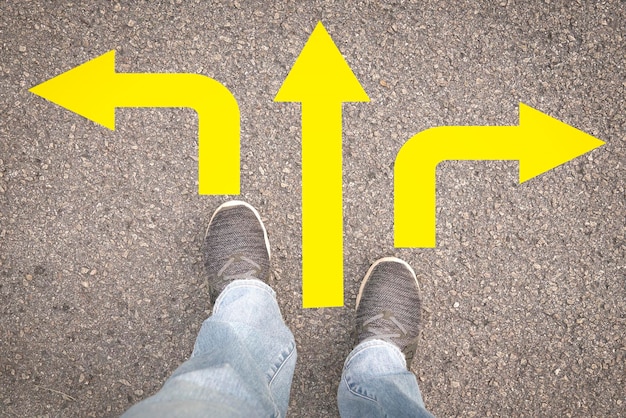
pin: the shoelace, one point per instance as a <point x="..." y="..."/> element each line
<point x="226" y="278"/>
<point x="379" y="332"/>
<point x="385" y="335"/>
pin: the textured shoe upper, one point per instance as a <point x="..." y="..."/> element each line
<point x="389" y="306"/>
<point x="236" y="247"/>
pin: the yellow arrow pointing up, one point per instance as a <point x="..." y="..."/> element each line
<point x="321" y="79"/>
<point x="540" y="143"/>
<point x="94" y="90"/>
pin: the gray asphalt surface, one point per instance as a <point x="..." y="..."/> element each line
<point x="102" y="287"/>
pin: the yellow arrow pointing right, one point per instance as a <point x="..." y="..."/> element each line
<point x="540" y="143"/>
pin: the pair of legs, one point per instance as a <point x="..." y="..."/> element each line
<point x="244" y="357"/>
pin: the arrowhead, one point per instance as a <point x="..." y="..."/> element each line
<point x="553" y="143"/>
<point x="321" y="74"/>
<point x="86" y="90"/>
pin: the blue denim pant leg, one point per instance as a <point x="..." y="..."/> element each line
<point x="376" y="383"/>
<point x="242" y="362"/>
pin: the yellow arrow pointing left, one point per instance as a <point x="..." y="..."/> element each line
<point x="94" y="90"/>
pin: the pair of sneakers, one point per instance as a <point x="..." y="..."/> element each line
<point x="388" y="305"/>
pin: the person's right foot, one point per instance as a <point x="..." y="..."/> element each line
<point x="388" y="306"/>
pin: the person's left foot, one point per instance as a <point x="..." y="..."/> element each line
<point x="236" y="246"/>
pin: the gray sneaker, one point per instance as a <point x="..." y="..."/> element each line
<point x="389" y="305"/>
<point x="236" y="246"/>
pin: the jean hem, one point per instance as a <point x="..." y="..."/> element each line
<point x="374" y="343"/>
<point x="237" y="284"/>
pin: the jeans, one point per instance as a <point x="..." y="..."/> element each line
<point x="243" y="361"/>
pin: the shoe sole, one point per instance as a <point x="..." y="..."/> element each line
<point x="373" y="266"/>
<point x="235" y="203"/>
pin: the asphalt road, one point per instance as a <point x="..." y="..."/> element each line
<point x="102" y="287"/>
